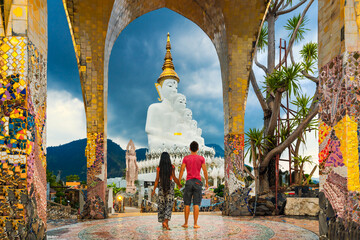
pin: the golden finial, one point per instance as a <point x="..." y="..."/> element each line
<point x="168" y="67"/>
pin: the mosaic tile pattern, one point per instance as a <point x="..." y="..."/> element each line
<point x="212" y="227"/>
<point x="234" y="161"/>
<point x="339" y="134"/>
<point x="22" y="141"/>
<point x="22" y="120"/>
<point x="339" y="114"/>
<point x="95" y="162"/>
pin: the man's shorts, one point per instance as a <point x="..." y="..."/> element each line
<point x="193" y="190"/>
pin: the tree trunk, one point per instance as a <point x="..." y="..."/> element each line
<point x="271" y="42"/>
<point x="270" y="64"/>
<point x="296" y="163"/>
<point x="263" y="182"/>
<point x="257" y="182"/>
<point x="267" y="177"/>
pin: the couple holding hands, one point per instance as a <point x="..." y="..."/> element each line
<point x="165" y="178"/>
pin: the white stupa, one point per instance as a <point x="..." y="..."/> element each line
<point x="170" y="128"/>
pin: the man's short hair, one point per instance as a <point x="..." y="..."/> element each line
<point x="194" y="146"/>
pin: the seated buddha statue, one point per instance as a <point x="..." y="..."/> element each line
<point x="159" y="115"/>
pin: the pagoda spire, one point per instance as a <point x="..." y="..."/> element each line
<point x="168" y="66"/>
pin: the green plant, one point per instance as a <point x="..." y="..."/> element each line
<point x="292" y="24"/>
<point x="299" y="162"/>
<point x="115" y="188"/>
<point x="306" y="177"/>
<point x="72" y="178"/>
<point x="178" y="193"/>
<point x="263" y="38"/>
<point x="219" y="191"/>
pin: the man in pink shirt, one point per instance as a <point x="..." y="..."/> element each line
<point x="193" y="187"/>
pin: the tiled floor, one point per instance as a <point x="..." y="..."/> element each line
<point x="213" y="226"/>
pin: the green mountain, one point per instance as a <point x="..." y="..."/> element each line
<point x="219" y="151"/>
<point x="70" y="158"/>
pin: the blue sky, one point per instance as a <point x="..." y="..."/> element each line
<point x="135" y="65"/>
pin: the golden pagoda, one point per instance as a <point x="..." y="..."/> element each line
<point x="168" y="67"/>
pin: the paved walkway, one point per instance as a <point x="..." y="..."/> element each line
<point x="135" y="225"/>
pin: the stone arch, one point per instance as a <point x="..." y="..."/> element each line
<point x="232" y="26"/>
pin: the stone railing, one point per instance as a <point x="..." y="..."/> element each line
<point x="59" y="211"/>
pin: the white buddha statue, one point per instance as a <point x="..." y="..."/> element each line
<point x="159" y="115"/>
<point x="178" y="127"/>
<point x="169" y="123"/>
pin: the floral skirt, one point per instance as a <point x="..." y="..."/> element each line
<point x="165" y="203"/>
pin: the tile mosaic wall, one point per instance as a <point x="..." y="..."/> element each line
<point x="234" y="161"/>
<point x="339" y="134"/>
<point x="22" y="120"/>
<point x="95" y="164"/>
<point x="339" y="115"/>
<point x="22" y="136"/>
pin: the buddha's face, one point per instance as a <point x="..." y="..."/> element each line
<point x="180" y="102"/>
<point x="194" y="124"/>
<point x="169" y="88"/>
<point x="188" y="114"/>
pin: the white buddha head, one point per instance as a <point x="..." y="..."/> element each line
<point x="179" y="102"/>
<point x="193" y="125"/>
<point x="187" y="113"/>
<point x="168" y="89"/>
<point x="199" y="132"/>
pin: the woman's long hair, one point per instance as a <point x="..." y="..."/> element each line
<point x="165" y="171"/>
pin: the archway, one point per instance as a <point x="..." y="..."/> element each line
<point x="135" y="65"/>
<point x="219" y="21"/>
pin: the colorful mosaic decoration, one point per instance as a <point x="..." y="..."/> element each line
<point x="234" y="159"/>
<point x="339" y="134"/>
<point x="96" y="173"/>
<point x="335" y="157"/>
<point x="144" y="227"/>
<point x="22" y="119"/>
<point x="23" y="159"/>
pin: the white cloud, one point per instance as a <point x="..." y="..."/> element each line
<point x="65" y="118"/>
<point x="197" y="63"/>
<point x="205" y="84"/>
<point x="191" y="44"/>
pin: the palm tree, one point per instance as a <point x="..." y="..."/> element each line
<point x="300" y="161"/>
<point x="255" y="144"/>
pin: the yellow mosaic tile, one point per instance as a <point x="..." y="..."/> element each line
<point x="5" y="47"/>
<point x="5" y="68"/>
<point x="346" y="131"/>
<point x="324" y="130"/>
<point x="14" y="41"/>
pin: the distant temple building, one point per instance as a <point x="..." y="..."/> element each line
<point x="170" y="128"/>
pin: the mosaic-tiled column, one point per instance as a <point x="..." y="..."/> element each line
<point x="23" y="54"/>
<point x="240" y="52"/>
<point x="339" y="117"/>
<point x="88" y="22"/>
